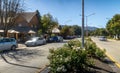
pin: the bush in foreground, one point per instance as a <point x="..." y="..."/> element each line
<point x="65" y="60"/>
<point x="71" y="58"/>
<point x="93" y="50"/>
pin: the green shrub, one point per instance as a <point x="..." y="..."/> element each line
<point x="73" y="44"/>
<point x="100" y="54"/>
<point x="93" y="50"/>
<point x="71" y="58"/>
<point x="66" y="60"/>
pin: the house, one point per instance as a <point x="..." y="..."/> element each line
<point x="26" y="25"/>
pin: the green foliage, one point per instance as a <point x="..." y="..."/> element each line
<point x="67" y="30"/>
<point x="65" y="60"/>
<point x="100" y="32"/>
<point x="113" y="25"/>
<point x="71" y="58"/>
<point x="74" y="44"/>
<point x="100" y="54"/>
<point x="93" y="50"/>
<point x="39" y="32"/>
<point x="77" y="29"/>
<point x="48" y="23"/>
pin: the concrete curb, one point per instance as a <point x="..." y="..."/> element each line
<point x="40" y="70"/>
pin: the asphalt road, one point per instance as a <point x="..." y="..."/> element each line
<point x="26" y="59"/>
<point x="112" y="48"/>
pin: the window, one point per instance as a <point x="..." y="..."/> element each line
<point x="12" y="40"/>
<point x="6" y="40"/>
<point x="1" y="40"/>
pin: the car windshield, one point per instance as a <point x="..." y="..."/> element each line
<point x="34" y="39"/>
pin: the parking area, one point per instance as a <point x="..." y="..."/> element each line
<point x="26" y="59"/>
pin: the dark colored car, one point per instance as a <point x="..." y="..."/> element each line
<point x="70" y="37"/>
<point x="55" y="39"/>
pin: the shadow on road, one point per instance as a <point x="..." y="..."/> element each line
<point x="20" y="55"/>
<point x="17" y="64"/>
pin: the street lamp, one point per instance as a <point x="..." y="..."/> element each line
<point x="87" y="21"/>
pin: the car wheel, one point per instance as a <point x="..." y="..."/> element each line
<point x="13" y="47"/>
<point x="27" y="45"/>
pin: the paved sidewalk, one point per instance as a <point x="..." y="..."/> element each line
<point x="21" y="45"/>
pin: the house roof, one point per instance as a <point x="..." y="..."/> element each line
<point x="28" y="15"/>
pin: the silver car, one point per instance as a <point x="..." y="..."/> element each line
<point x="103" y="38"/>
<point x="8" y="43"/>
<point x="35" y="41"/>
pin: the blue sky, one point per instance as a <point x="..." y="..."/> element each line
<point x="69" y="11"/>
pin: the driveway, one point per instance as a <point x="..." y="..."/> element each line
<point x="26" y="59"/>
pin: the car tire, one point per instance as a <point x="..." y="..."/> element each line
<point x="13" y="47"/>
<point x="27" y="45"/>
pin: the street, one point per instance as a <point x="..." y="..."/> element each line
<point x="26" y="59"/>
<point x="112" y="48"/>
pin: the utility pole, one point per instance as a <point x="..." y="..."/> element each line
<point x="82" y="24"/>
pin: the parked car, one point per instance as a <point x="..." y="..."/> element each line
<point x="35" y="41"/>
<point x="70" y="37"/>
<point x="102" y="38"/>
<point x="55" y="39"/>
<point x="8" y="44"/>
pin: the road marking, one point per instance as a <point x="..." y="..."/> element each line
<point x="110" y="57"/>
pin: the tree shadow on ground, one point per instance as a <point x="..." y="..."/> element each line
<point x="99" y="68"/>
<point x="103" y="66"/>
<point x="17" y="64"/>
<point x="107" y="61"/>
<point x="20" y="55"/>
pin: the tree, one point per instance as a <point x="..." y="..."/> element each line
<point x="39" y="18"/>
<point x="77" y="29"/>
<point x="67" y="30"/>
<point x="8" y="11"/>
<point x="113" y="25"/>
<point x="48" y="23"/>
<point x="100" y="32"/>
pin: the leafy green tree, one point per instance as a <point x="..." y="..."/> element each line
<point x="100" y="32"/>
<point x="113" y="25"/>
<point x="67" y="30"/>
<point x="77" y="29"/>
<point x="48" y="23"/>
